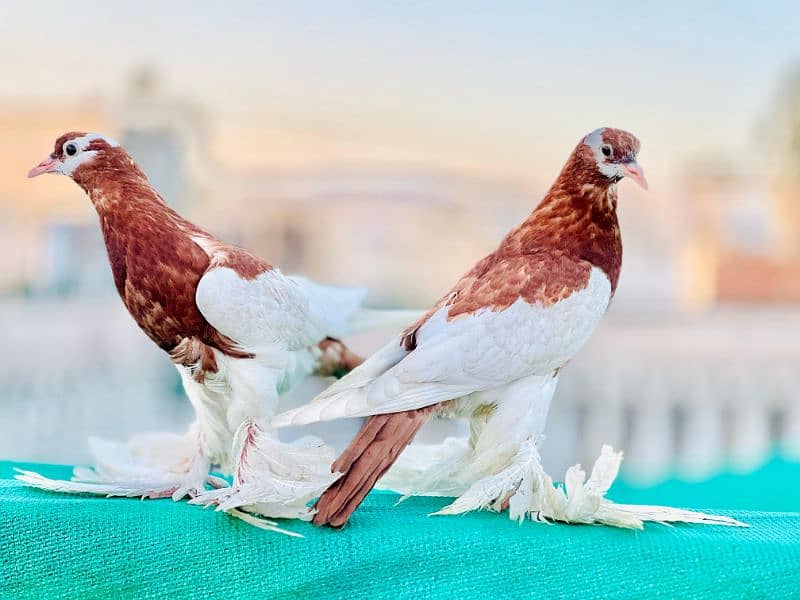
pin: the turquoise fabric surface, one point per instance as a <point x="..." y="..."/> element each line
<point x="775" y="487"/>
<point x="54" y="546"/>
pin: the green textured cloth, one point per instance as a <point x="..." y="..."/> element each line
<point x="774" y="487"/>
<point x="56" y="546"/>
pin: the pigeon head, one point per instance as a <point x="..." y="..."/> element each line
<point x="612" y="153"/>
<point x="75" y="150"/>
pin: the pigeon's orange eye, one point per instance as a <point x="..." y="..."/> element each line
<point x="71" y="149"/>
<point x="606" y="150"/>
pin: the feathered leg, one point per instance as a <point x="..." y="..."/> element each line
<point x="273" y="478"/>
<point x="154" y="465"/>
<point x="147" y="466"/>
<point x="508" y="475"/>
<point x="270" y="477"/>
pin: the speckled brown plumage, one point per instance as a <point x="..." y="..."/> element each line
<point x="240" y="332"/>
<point x="155" y="263"/>
<point x="158" y="258"/>
<point x="196" y="356"/>
<point x="551" y="254"/>
<point x="542" y="261"/>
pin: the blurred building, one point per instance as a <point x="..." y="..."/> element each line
<point x="402" y="234"/>
<point x="744" y="216"/>
<point x="165" y="135"/>
<point x="731" y="248"/>
<point x="73" y="262"/>
<point x="782" y="142"/>
<point x="667" y="377"/>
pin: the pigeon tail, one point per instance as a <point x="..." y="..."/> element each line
<point x="366" y="459"/>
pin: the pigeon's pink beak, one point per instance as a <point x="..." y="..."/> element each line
<point x="48" y="165"/>
<point x="635" y="172"/>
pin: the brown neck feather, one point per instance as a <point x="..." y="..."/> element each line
<point x="125" y="200"/>
<point x="578" y="217"/>
<point x="114" y="178"/>
<point x="155" y="263"/>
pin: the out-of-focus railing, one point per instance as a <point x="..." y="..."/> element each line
<point x="70" y="369"/>
<point x="686" y="393"/>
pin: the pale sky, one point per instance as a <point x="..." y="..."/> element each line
<point x="496" y="88"/>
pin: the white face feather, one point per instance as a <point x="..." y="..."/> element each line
<point x="82" y="156"/>
<point x="595" y="141"/>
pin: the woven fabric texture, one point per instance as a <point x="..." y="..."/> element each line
<point x="58" y="546"/>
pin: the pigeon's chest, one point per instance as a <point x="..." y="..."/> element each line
<point x="537" y="339"/>
<point x="557" y="332"/>
<point x="156" y="272"/>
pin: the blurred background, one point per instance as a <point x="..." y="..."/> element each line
<point x="392" y="145"/>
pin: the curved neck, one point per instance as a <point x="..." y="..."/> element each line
<point x="578" y="218"/>
<point x="110" y="184"/>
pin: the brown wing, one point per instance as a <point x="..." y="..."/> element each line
<point x="498" y="281"/>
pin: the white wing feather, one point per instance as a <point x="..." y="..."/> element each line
<point x="331" y="307"/>
<point x="273" y="309"/>
<point x="462" y="356"/>
<point x="336" y="400"/>
<point x="290" y="312"/>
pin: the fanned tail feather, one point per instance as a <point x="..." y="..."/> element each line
<point x="331" y="306"/>
<point x="339" y="309"/>
<point x="147" y="456"/>
<point x="157" y="488"/>
<point x="150" y="465"/>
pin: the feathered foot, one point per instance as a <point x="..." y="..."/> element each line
<point x="148" y="466"/>
<point x="126" y="489"/>
<point x="430" y="470"/>
<point x="528" y="492"/>
<point x="272" y="478"/>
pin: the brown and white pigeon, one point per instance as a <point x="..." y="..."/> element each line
<point x="490" y="350"/>
<point x="239" y="331"/>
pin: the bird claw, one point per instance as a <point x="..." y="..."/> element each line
<point x="190" y="489"/>
<point x="158" y="494"/>
<point x="216" y="497"/>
